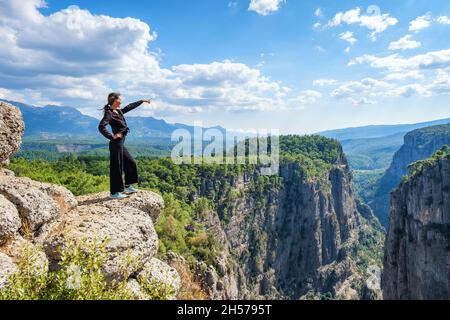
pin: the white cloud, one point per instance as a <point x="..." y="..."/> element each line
<point x="307" y="97"/>
<point x="377" y="23"/>
<point x="369" y="90"/>
<point x="420" y="23"/>
<point x="318" y="13"/>
<point x="317" y="26"/>
<point x="362" y="101"/>
<point x="409" y="90"/>
<point x="414" y="74"/>
<point x="348" y="36"/>
<point x="227" y="85"/>
<point x="71" y="41"/>
<point x="265" y="7"/>
<point x="349" y="17"/>
<point x="443" y="20"/>
<point x="366" y="90"/>
<point x="324" y="82"/>
<point x="76" y="58"/>
<point x="397" y="63"/>
<point x="365" y="87"/>
<point x="358" y="92"/>
<point x="441" y="84"/>
<point x="4" y="93"/>
<point x="405" y="43"/>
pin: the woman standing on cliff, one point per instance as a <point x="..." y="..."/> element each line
<point x="120" y="159"/>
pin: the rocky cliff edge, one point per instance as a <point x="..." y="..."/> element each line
<point x="47" y="217"/>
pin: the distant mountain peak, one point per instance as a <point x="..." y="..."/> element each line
<point x="52" y="121"/>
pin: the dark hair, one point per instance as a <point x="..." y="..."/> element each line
<point x="113" y="96"/>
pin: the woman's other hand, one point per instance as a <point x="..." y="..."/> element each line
<point x="118" y="136"/>
<point x="147" y="101"/>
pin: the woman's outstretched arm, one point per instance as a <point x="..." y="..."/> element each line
<point x="134" y="105"/>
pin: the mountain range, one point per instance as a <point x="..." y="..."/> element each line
<point x="367" y="147"/>
<point x="373" y="147"/>
<point x="55" y="122"/>
<point x="378" y="131"/>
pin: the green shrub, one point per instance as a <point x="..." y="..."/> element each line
<point x="157" y="290"/>
<point x="31" y="280"/>
<point x="79" y="277"/>
<point x="420" y="166"/>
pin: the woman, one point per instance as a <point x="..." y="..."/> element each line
<point x="120" y="159"/>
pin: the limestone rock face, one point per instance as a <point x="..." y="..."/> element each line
<point x="148" y="202"/>
<point x="9" y="219"/>
<point x="35" y="207"/>
<point x="130" y="233"/>
<point x="161" y="273"/>
<point x="417" y="252"/>
<point x="55" y="218"/>
<point x="12" y="128"/>
<point x="419" y="144"/>
<point x="290" y="242"/>
<point x="19" y="247"/>
<point x="7" y="267"/>
<point x="6" y="172"/>
<point x="134" y="287"/>
<point x="39" y="205"/>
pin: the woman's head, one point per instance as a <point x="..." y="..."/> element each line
<point x="114" y="100"/>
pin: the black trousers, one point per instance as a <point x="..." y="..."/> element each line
<point x="120" y="162"/>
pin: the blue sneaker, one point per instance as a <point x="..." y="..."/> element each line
<point x="118" y="195"/>
<point x="130" y="189"/>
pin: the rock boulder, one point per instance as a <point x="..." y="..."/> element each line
<point x="12" y="128"/>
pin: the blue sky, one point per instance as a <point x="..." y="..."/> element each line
<point x="298" y="66"/>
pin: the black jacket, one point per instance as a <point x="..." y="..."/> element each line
<point x="116" y="120"/>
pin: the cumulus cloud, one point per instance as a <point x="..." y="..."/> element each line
<point x="307" y="97"/>
<point x="414" y="74"/>
<point x="317" y="26"/>
<point x="72" y="41"/>
<point x="324" y="82"/>
<point x="367" y="90"/>
<point x="227" y="85"/>
<point x="424" y="75"/>
<point x="367" y="86"/>
<point x="318" y="13"/>
<point x="348" y="36"/>
<point x="377" y="23"/>
<point x="362" y="101"/>
<point x="357" y="92"/>
<point x="409" y="90"/>
<point x="265" y="7"/>
<point x="395" y="62"/>
<point x="362" y="92"/>
<point x="405" y="43"/>
<point x="443" y="20"/>
<point x="420" y="23"/>
<point x="441" y="84"/>
<point x="75" y="57"/>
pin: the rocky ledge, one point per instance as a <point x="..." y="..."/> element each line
<point x="47" y="217"/>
